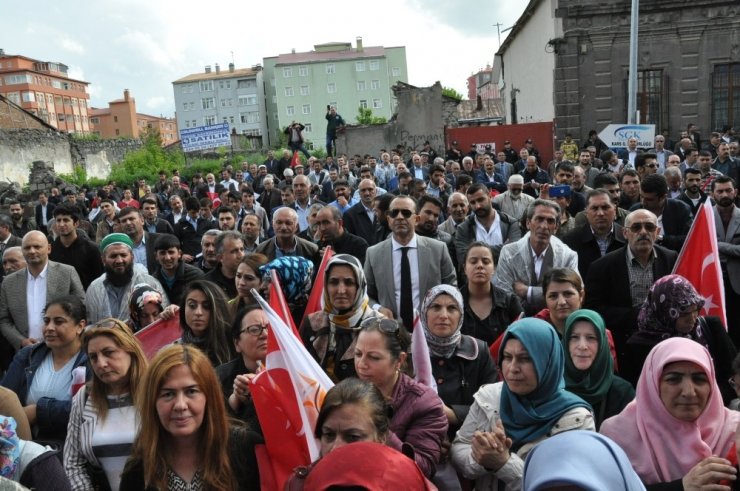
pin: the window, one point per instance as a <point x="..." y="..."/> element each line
<point x="206" y="85"/>
<point x="224" y="84"/>
<point x="184" y="106"/>
<point x="363" y="104"/>
<point x="287" y="72"/>
<point x="249" y="118"/>
<point x="247" y="84"/>
<point x="231" y="119"/>
<point x="307" y="128"/>
<point x="359" y="66"/>
<point x="192" y="106"/>
<point x="193" y="123"/>
<point x="331" y="88"/>
<point x="374" y="65"/>
<point x="726" y="95"/>
<point x="118" y="132"/>
<point x="375" y="84"/>
<point x="288" y="91"/>
<point x="304" y="90"/>
<point x="274" y="99"/>
<point x="208" y="120"/>
<point x="290" y="110"/>
<point x="226" y="119"/>
<point x="247" y="100"/>
<point x="650" y="97"/>
<point x="208" y="103"/>
<point x="306" y="109"/>
<point x="302" y="71"/>
<point x="395" y="72"/>
<point x="227" y="102"/>
<point x="41" y="99"/>
<point x="115" y="119"/>
<point x="29" y="97"/>
<point x="377" y="104"/>
<point x="330" y="68"/>
<point x="361" y="86"/>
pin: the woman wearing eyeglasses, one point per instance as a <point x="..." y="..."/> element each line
<point x="205" y="321"/>
<point x="102" y="424"/>
<point x="248" y="276"/>
<point x="673" y="309"/>
<point x="41" y="374"/>
<point x="330" y="335"/>
<point x="419" y="423"/>
<point x="249" y="334"/>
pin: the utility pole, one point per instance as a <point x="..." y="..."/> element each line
<point x="632" y="82"/>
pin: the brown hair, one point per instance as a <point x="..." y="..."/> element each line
<point x="118" y="332"/>
<point x="152" y="440"/>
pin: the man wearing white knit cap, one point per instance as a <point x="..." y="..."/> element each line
<point x="513" y="202"/>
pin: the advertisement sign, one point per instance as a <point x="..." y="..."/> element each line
<point x="205" y="137"/>
<point x="481" y="147"/>
<point x="616" y="135"/>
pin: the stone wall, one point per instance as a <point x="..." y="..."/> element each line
<point x="19" y="148"/>
<point x="421" y="115"/>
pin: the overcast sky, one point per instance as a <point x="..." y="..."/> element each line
<point x="144" y="45"/>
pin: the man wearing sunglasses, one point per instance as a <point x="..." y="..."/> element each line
<point x="417" y="264"/>
<point x="617" y="283"/>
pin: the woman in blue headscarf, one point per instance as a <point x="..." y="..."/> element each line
<point x="508" y="418"/>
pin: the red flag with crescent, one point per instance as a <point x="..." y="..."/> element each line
<point x="699" y="262"/>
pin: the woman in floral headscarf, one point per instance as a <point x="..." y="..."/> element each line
<point x="294" y="274"/>
<point x="330" y="335"/>
<point x="673" y="309"/>
<point x="145" y="306"/>
<point x="32" y="465"/>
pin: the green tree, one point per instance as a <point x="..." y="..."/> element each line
<point x="452" y="93"/>
<point x="365" y="116"/>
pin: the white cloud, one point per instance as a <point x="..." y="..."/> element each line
<point x="72" y="45"/>
<point x="157" y="103"/>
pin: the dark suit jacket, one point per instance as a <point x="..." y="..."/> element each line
<point x="608" y="291"/>
<point x="624" y="154"/>
<point x="582" y="240"/>
<point x="687" y="200"/>
<point x="677" y="220"/>
<point x="358" y="223"/>
<point x="49" y="215"/>
<point x="348" y="243"/>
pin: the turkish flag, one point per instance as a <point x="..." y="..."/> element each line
<point x="280" y="306"/>
<point x="699" y="262"/>
<point x="315" y="302"/>
<point x="295" y="160"/>
<point x="159" y="334"/>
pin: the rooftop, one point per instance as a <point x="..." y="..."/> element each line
<point x="344" y="54"/>
<point x="221" y="74"/>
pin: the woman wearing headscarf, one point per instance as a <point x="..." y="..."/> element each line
<point x="460" y="364"/>
<point x="294" y="273"/>
<point x="671" y="309"/>
<point x="330" y="335"/>
<point x="677" y="433"/>
<point x="508" y="418"/>
<point x="145" y="306"/>
<point x="589" y="367"/>
<point x="580" y="460"/>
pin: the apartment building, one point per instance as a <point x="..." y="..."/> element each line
<point x="44" y="89"/>
<point x="120" y="119"/>
<point x="233" y="96"/>
<point x="300" y="86"/>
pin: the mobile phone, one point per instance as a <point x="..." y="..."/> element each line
<point x="558" y="191"/>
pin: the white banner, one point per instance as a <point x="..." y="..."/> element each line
<point x="616" y="135"/>
<point x="205" y="137"/>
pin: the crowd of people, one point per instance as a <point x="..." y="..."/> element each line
<point x="563" y="351"/>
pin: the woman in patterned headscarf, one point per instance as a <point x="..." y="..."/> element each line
<point x="294" y="274"/>
<point x="673" y="309"/>
<point x="145" y="306"/>
<point x="330" y="334"/>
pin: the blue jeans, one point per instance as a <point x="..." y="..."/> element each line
<point x="331" y="145"/>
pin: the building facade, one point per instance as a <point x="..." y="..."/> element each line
<point x="688" y="64"/>
<point x="233" y="96"/>
<point x="481" y="85"/>
<point x="120" y="119"/>
<point x="300" y="86"/>
<point x="44" y="89"/>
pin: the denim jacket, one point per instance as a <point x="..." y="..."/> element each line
<point x="52" y="415"/>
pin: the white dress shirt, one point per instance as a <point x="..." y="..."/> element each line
<point x="35" y="302"/>
<point x="413" y="256"/>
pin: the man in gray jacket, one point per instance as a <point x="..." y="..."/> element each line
<point x="522" y="265"/>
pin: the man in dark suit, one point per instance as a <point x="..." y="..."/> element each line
<point x="152" y="221"/>
<point x="675" y="215"/>
<point x="132" y="224"/>
<point x="360" y="219"/>
<point x="44" y="212"/>
<point x="7" y="239"/>
<point x="727" y="223"/>
<point x="618" y="283"/>
<point x="332" y="233"/>
<point x="172" y="272"/>
<point x="401" y="269"/>
<point x="18" y="328"/>
<point x="627" y="155"/>
<point x="286" y="240"/>
<point x="229" y="253"/>
<point x="692" y="194"/>
<point x="600" y="235"/>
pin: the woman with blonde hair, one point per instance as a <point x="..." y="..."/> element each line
<point x="184" y="439"/>
<point x="103" y="417"/>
